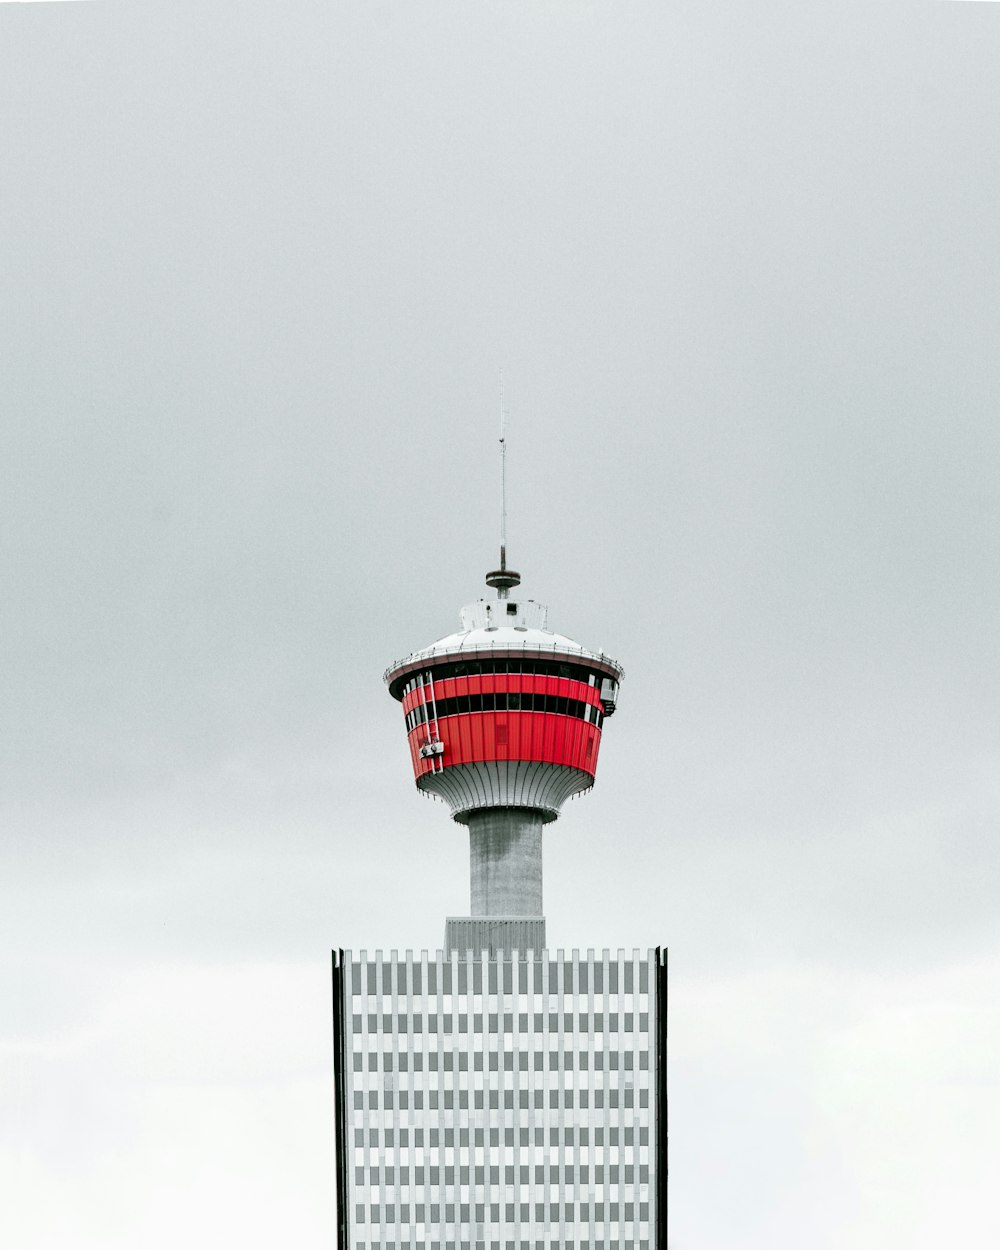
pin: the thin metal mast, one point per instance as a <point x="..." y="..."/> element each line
<point x="502" y="579"/>
<point x="503" y="479"/>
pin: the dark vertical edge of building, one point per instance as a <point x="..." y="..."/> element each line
<point x="662" y="1142"/>
<point x="340" y="1094"/>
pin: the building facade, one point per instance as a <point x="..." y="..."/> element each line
<point x="498" y="1095"/>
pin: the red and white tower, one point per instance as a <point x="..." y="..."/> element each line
<point x="504" y="722"/>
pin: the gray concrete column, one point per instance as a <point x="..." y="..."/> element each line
<point x="505" y="853"/>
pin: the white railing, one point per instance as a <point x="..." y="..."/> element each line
<point x="534" y="648"/>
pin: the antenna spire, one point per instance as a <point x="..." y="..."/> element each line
<point x="503" y="479"/>
<point x="502" y="579"/>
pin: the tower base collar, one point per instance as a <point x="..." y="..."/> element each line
<point x="494" y="935"/>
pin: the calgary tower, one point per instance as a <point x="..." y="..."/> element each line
<point x="504" y="722"/>
<point x="496" y="1094"/>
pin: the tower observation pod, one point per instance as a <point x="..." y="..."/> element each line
<point x="504" y="722"/>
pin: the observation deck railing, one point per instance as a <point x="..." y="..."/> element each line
<point x="483" y="648"/>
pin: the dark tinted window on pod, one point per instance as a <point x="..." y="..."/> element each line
<point x="459" y="705"/>
<point x="533" y="666"/>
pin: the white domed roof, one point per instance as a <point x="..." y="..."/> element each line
<point x="502" y="636"/>
<point x="505" y="626"/>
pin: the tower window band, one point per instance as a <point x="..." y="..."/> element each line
<point x="473" y="668"/>
<point x="513" y="701"/>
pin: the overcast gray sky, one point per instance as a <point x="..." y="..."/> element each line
<point x="261" y="264"/>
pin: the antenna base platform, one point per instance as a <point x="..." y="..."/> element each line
<point x="503" y="579"/>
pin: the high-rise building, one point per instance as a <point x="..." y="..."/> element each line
<point x="496" y="1094"/>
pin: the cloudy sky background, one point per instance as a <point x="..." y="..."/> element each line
<point x="261" y="264"/>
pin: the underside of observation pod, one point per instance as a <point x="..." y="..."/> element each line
<point x="505" y="713"/>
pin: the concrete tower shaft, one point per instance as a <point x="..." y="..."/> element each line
<point x="505" y="860"/>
